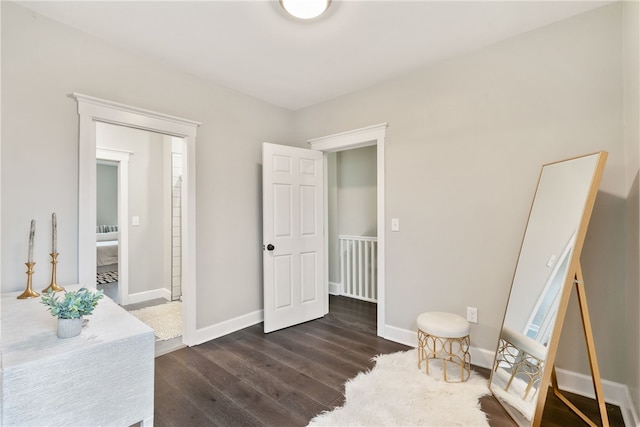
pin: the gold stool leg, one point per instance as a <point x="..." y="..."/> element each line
<point x="442" y="349"/>
<point x="420" y="346"/>
<point x="434" y="347"/>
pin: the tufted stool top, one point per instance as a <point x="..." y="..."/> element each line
<point x="443" y="325"/>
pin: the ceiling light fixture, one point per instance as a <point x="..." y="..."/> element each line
<point x="305" y="9"/>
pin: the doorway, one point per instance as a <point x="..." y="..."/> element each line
<point x="353" y="237"/>
<point x="138" y="213"/>
<point x="364" y="137"/>
<point x="93" y="111"/>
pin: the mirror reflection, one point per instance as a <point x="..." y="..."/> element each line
<point x="541" y="274"/>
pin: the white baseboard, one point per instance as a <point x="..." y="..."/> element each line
<point x="482" y="357"/>
<point x="148" y="295"/>
<point x="402" y="336"/>
<point x="573" y="382"/>
<point x="335" y="288"/>
<point x="479" y="356"/>
<point x="228" y="326"/>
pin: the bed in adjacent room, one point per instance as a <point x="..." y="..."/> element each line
<point x="107" y="248"/>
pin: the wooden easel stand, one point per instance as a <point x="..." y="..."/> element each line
<point x="593" y="361"/>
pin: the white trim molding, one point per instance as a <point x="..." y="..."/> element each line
<point x="363" y="137"/>
<point x="228" y="326"/>
<point x="335" y="288"/>
<point x="149" y="295"/>
<point x="92" y="110"/>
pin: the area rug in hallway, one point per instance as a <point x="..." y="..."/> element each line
<point x="396" y="393"/>
<point x="106" y="277"/>
<point x="164" y="319"/>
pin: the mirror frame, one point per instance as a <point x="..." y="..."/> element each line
<point x="572" y="276"/>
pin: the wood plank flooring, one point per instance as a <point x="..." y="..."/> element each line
<point x="285" y="378"/>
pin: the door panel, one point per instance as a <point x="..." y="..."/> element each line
<point x="308" y="208"/>
<point x="293" y="218"/>
<point x="282" y="210"/>
<point x="282" y="280"/>
<point x="309" y="267"/>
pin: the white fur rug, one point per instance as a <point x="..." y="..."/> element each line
<point x="164" y="319"/>
<point x="396" y="393"/>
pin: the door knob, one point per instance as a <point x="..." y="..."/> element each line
<point x="270" y="247"/>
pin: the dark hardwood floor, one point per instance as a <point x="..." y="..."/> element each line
<point x="285" y="378"/>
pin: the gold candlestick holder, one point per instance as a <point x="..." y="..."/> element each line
<point x="53" y="286"/>
<point x="29" y="292"/>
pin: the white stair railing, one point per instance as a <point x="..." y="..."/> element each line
<point x="359" y="267"/>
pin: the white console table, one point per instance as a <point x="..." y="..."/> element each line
<point x="102" y="377"/>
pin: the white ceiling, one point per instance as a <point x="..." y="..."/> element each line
<point x="251" y="46"/>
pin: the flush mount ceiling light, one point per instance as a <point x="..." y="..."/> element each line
<point x="305" y="9"/>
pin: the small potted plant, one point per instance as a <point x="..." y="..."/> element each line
<point x="70" y="309"/>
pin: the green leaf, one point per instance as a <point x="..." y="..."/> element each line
<point x="75" y="304"/>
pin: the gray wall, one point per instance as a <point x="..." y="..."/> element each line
<point x="631" y="98"/>
<point x="464" y="147"/>
<point x="357" y="192"/>
<point x="42" y="63"/>
<point x="107" y="194"/>
<point x="332" y="220"/>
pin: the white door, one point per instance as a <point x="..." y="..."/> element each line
<point x="293" y="238"/>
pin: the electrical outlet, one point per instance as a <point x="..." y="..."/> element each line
<point x="472" y="314"/>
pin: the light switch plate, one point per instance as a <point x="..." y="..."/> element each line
<point x="395" y="224"/>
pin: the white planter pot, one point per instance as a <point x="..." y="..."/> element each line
<point x="69" y="328"/>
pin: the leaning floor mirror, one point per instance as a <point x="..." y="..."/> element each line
<point x="547" y="271"/>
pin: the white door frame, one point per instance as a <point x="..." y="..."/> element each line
<point x="122" y="158"/>
<point x="363" y="137"/>
<point x="92" y="110"/>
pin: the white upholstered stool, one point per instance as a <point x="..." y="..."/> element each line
<point x="444" y="336"/>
